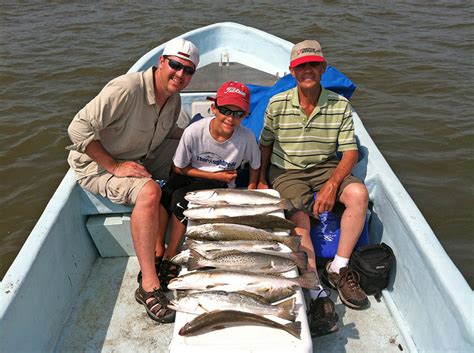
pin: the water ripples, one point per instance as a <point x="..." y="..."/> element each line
<point x="412" y="63"/>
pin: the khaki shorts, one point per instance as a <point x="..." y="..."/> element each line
<point x="299" y="186"/>
<point x="123" y="191"/>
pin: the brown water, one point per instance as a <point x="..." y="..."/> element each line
<point x="412" y="62"/>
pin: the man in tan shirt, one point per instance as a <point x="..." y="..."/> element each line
<point x="116" y="134"/>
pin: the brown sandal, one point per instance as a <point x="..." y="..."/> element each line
<point x="157" y="307"/>
<point x="168" y="271"/>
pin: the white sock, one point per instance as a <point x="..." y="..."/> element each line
<point x="314" y="293"/>
<point x="338" y="263"/>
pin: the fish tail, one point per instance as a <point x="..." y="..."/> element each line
<point x="194" y="260"/>
<point x="294" y="328"/>
<point x="308" y="280"/>
<point x="292" y="241"/>
<point x="287" y="309"/>
<point x="300" y="258"/>
<point x="189" y="244"/>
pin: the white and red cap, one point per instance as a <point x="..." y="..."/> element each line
<point x="305" y="52"/>
<point x="183" y="49"/>
<point x="233" y="93"/>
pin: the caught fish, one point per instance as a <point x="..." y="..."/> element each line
<point x="232" y="281"/>
<point x="235" y="210"/>
<point x="257" y="221"/>
<point x="214" y="248"/>
<point x="219" y="232"/>
<point x="202" y="302"/>
<point x="219" y="319"/>
<point x="241" y="245"/>
<point x="231" y="197"/>
<point x="240" y="261"/>
<point x="268" y="295"/>
<point x="181" y="258"/>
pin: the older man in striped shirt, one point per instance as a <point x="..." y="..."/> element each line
<point x="304" y="128"/>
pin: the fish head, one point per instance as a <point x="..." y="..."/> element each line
<point x="184" y="282"/>
<point x="199" y="196"/>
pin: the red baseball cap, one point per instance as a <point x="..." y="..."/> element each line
<point x="306" y="51"/>
<point x="233" y="93"/>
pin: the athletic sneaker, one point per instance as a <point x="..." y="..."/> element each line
<point x="347" y="284"/>
<point x="322" y="317"/>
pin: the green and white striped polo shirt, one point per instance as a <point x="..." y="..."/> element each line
<point x="300" y="142"/>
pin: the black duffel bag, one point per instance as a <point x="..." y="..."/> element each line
<point x="373" y="264"/>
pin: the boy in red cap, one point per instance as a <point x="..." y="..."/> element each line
<point x="207" y="157"/>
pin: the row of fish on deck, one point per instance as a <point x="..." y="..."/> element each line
<point x="240" y="261"/>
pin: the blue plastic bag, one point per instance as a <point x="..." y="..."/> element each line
<point x="326" y="233"/>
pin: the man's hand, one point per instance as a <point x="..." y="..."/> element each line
<point x="262" y="184"/>
<point x="326" y="198"/>
<point x="225" y="175"/>
<point x="130" y="169"/>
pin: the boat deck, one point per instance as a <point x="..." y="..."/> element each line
<point x="106" y="318"/>
<point x="209" y="78"/>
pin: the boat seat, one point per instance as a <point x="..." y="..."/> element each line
<point x="92" y="204"/>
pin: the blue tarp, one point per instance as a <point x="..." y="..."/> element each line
<point x="332" y="79"/>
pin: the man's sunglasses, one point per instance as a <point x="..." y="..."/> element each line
<point x="177" y="66"/>
<point x="312" y="64"/>
<point x="228" y="112"/>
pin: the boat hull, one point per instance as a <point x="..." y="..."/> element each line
<point x="428" y="297"/>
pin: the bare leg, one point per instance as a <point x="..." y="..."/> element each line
<point x="177" y="231"/>
<point x="163" y="224"/>
<point x="302" y="221"/>
<point x="355" y="197"/>
<point x="144" y="227"/>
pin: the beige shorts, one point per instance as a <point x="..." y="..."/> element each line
<point x="299" y="186"/>
<point x="123" y="191"/>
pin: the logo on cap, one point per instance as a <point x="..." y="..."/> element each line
<point x="307" y="50"/>
<point x="235" y="90"/>
<point x="183" y="54"/>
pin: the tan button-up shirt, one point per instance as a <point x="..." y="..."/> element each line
<point x="127" y="120"/>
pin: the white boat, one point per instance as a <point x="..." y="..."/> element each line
<point x="63" y="294"/>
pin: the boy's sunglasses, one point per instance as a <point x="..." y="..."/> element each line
<point x="177" y="66"/>
<point x="228" y="112"/>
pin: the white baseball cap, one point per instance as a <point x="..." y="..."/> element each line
<point x="183" y="49"/>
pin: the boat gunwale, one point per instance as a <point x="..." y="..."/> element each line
<point x="448" y="278"/>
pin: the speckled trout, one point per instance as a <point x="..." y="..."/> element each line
<point x="269" y="296"/>
<point x="237" y="260"/>
<point x="204" y="212"/>
<point x="224" y="231"/>
<point x="233" y="281"/>
<point x="231" y="197"/>
<point x="219" y="319"/>
<point x="263" y="221"/>
<point x="202" y="302"/>
<point x="210" y="248"/>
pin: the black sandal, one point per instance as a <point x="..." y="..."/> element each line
<point x="157" y="307"/>
<point x="157" y="266"/>
<point x="168" y="271"/>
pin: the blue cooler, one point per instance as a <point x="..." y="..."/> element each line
<point x="326" y="232"/>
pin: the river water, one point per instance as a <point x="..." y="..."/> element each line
<point x="412" y="62"/>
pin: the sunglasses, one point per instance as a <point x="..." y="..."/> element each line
<point x="228" y="112"/>
<point x="312" y="64"/>
<point x="177" y="66"/>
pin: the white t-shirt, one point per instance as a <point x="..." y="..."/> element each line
<point x="198" y="149"/>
